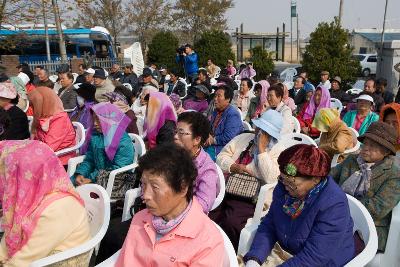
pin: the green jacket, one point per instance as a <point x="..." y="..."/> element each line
<point x="383" y="194"/>
<point x="252" y="108"/>
<point x="350" y="117"/>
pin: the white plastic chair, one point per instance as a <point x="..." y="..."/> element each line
<point x="80" y="139"/>
<point x="110" y="262"/>
<point x="75" y="76"/>
<point x="140" y="147"/>
<point x="296" y="124"/>
<point x="354" y="91"/>
<point x="348" y="151"/>
<point x="130" y="197"/>
<point x="27" y="105"/>
<point x="69" y="110"/>
<point x="391" y="256"/>
<point x="288" y="74"/>
<point x="221" y="193"/>
<point x="140" y="125"/>
<point x="98" y="210"/>
<point x="292" y="139"/>
<point x="336" y="103"/>
<point x="30" y="121"/>
<point x="53" y="78"/>
<point x="248" y="232"/>
<point x="363" y="223"/>
<point x="247" y="126"/>
<point x="230" y="259"/>
<point x="128" y="85"/>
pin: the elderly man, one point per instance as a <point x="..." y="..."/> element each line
<point x="103" y="85"/>
<point x="115" y="73"/>
<point x="325" y="80"/>
<point x="337" y="92"/>
<point x="370" y="88"/>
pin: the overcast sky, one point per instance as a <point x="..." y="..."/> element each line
<point x="266" y="15"/>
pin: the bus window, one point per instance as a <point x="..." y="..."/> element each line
<point x="101" y="49"/>
<point x="85" y="50"/>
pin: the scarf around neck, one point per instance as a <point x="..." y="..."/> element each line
<point x="163" y="227"/>
<point x="359" y="182"/>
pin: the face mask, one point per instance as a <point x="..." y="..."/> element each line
<point x="80" y="100"/>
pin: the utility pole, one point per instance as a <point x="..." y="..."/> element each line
<point x="63" y="52"/>
<point x="382" y="38"/>
<point x="298" y="40"/>
<point x="340" y="11"/>
<point x="46" y="30"/>
<point x="293" y="14"/>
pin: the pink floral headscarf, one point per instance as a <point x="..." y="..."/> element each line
<point x="159" y="110"/>
<point x="312" y="109"/>
<point x="31" y="178"/>
<point x="264" y="91"/>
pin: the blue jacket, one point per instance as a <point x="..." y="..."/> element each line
<point x="96" y="158"/>
<point x="229" y="126"/>
<point x="321" y="236"/>
<point x="190" y="62"/>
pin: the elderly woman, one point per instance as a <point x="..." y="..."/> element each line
<point x="173" y="229"/>
<point x="361" y="118"/>
<point x="85" y="100"/>
<point x="43" y="214"/>
<point x="19" y="126"/>
<point x="320" y="99"/>
<point x="309" y="217"/>
<point x="200" y="103"/>
<point x="192" y="130"/>
<point x="275" y="102"/>
<point x="21" y="91"/>
<point x="253" y="154"/>
<point x="51" y="124"/>
<point x="390" y="114"/>
<point x="373" y="176"/>
<point x="140" y="104"/>
<point x="241" y="98"/>
<point x="286" y="98"/>
<point x="67" y="93"/>
<point x="160" y="117"/>
<point x="335" y="135"/>
<point x="107" y="147"/>
<point x="257" y="103"/>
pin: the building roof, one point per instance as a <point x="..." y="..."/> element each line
<point x="375" y="35"/>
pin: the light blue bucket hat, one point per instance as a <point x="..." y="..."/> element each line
<point x="270" y="122"/>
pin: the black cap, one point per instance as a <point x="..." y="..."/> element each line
<point x="22" y="65"/>
<point x="100" y="73"/>
<point x="147" y="72"/>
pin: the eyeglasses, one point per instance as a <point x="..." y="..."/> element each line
<point x="290" y="181"/>
<point x="181" y="132"/>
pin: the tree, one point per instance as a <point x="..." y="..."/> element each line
<point x="146" y="17"/>
<point x="107" y="13"/>
<point x="329" y="50"/>
<point x="162" y="49"/>
<point x="262" y="62"/>
<point x="214" y="45"/>
<point x="195" y="17"/>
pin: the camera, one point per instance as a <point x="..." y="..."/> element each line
<point x="180" y="50"/>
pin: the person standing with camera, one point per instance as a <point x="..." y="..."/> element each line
<point x="186" y="56"/>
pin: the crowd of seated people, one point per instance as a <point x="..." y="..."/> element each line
<point x="189" y="132"/>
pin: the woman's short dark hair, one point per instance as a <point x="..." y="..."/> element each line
<point x="174" y="163"/>
<point x="387" y="112"/>
<point x="278" y="90"/>
<point x="199" y="124"/>
<point x="248" y="81"/>
<point x="125" y="92"/>
<point x="257" y="87"/>
<point x="70" y="76"/>
<point x="228" y="92"/>
<point x="204" y="72"/>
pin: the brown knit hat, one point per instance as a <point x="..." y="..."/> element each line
<point x="383" y="134"/>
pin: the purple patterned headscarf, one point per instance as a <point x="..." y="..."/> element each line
<point x="312" y="109"/>
<point x="113" y="125"/>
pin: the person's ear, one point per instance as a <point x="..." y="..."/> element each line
<point x="197" y="141"/>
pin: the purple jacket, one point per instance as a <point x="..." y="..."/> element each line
<point x="199" y="106"/>
<point x="321" y="236"/>
<point x="207" y="183"/>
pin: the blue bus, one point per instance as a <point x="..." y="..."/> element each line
<point x="30" y="44"/>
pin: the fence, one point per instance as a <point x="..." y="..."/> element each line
<point x="52" y="66"/>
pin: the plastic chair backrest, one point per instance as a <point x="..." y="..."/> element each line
<point x="292" y="139"/>
<point x="138" y="143"/>
<point x="140" y="124"/>
<point x="97" y="204"/>
<point x="262" y="197"/>
<point x="27" y="106"/>
<point x="247" y="126"/>
<point x="336" y="103"/>
<point x="230" y="259"/>
<point x="130" y="197"/>
<point x="288" y="74"/>
<point x="80" y="139"/>
<point x="354" y="91"/>
<point x="128" y="85"/>
<point x="110" y="262"/>
<point x="221" y="193"/>
<point x="365" y="225"/>
<point x="296" y="124"/>
<point x="30" y="121"/>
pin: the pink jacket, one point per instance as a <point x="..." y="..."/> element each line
<point x="194" y="242"/>
<point x="60" y="134"/>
